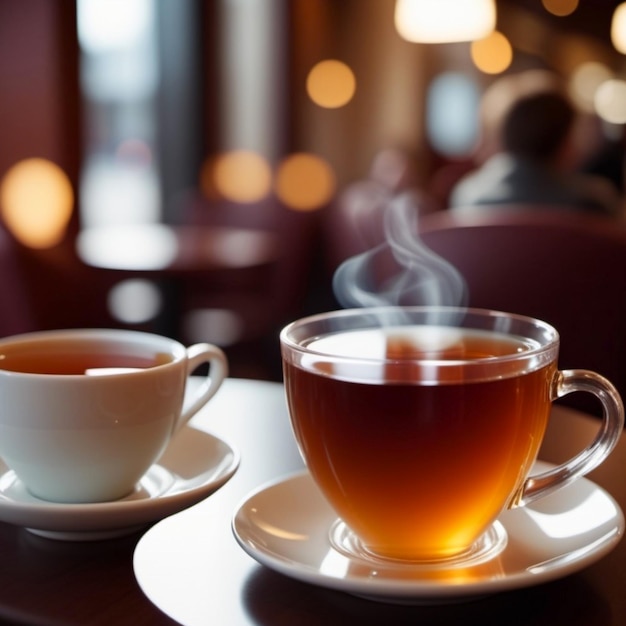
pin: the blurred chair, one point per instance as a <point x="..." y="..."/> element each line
<point x="565" y="268"/>
<point x="257" y="300"/>
<point x="355" y="221"/>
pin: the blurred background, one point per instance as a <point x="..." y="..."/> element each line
<point x="175" y="166"/>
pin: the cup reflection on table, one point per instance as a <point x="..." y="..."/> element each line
<point x="420" y="425"/>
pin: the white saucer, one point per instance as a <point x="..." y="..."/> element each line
<point x="286" y="526"/>
<point x="193" y="466"/>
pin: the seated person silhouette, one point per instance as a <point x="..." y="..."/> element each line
<point x="529" y="151"/>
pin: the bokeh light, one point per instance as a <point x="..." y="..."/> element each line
<point x="492" y="54"/>
<point x="560" y="8"/>
<point x="135" y="301"/>
<point x="105" y="25"/>
<point x="610" y="101"/>
<point x="452" y="104"/>
<point x="238" y="175"/>
<point x="584" y="83"/>
<point x="331" y="84"/>
<point x="139" y="247"/>
<point x="37" y="201"/>
<point x="618" y="28"/>
<point x="304" y="182"/>
<point x="435" y="21"/>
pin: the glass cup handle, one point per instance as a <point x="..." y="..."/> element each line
<point x="197" y="355"/>
<point x="568" y="381"/>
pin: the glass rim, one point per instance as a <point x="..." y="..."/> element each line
<point x="551" y="343"/>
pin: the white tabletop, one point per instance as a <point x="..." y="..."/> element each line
<point x="177" y="560"/>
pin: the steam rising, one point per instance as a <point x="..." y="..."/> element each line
<point x="401" y="271"/>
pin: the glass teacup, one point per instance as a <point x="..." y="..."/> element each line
<point x="421" y="425"/>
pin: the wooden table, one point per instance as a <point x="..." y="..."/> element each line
<point x="181" y="260"/>
<point x="192" y="567"/>
<point x="164" y="248"/>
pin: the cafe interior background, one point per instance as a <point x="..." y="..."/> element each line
<point x="123" y="121"/>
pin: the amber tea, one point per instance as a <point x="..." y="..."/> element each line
<point x="420" y="425"/>
<point x="407" y="463"/>
<point x="76" y="357"/>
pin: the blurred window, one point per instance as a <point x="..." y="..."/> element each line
<point x="165" y="83"/>
<point x="451" y="114"/>
<point x="119" y="75"/>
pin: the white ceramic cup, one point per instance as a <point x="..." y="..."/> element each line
<point x="89" y="437"/>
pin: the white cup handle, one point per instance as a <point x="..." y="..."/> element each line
<point x="197" y="355"/>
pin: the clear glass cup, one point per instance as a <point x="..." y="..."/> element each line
<point x="421" y="425"/>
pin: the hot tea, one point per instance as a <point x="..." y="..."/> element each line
<point x="74" y="358"/>
<point x="416" y="456"/>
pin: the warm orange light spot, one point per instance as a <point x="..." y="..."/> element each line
<point x="560" y="7"/>
<point x="37" y="200"/>
<point x="305" y="182"/>
<point x="239" y="175"/>
<point x="331" y="84"/>
<point x="493" y="54"/>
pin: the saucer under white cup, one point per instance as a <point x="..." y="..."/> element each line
<point x="194" y="465"/>
<point x="286" y="526"/>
